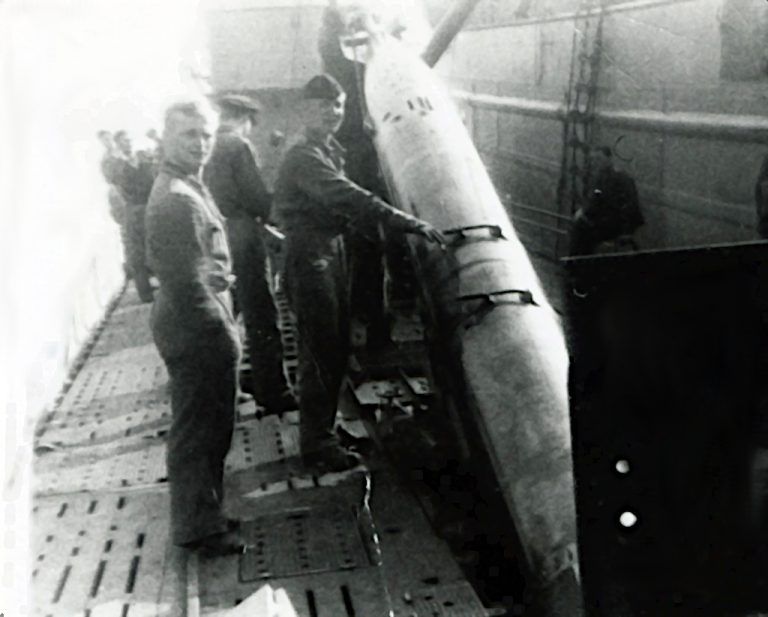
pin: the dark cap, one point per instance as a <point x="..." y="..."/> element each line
<point x="239" y="102"/>
<point x="322" y="86"/>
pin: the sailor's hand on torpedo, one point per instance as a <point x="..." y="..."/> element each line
<point x="426" y="230"/>
<point x="220" y="281"/>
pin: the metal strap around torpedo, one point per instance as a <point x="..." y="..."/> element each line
<point x="490" y="300"/>
<point x="461" y="236"/>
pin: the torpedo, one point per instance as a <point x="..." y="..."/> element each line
<point x="503" y="341"/>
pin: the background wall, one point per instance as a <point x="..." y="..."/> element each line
<point x="257" y="44"/>
<point x="69" y="68"/>
<point x="700" y="61"/>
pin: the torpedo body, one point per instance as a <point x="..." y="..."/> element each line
<point x="506" y="344"/>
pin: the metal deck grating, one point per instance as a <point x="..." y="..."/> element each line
<point x="127" y="327"/>
<point x="102" y="469"/>
<point x="340" y="594"/>
<point x="106" y="553"/>
<point x="304" y="541"/>
<point x="140" y="461"/>
<point x="95" y="384"/>
<point x="140" y="355"/>
<point x="102" y="555"/>
<point x="453" y="600"/>
<point x="256" y="442"/>
<point x="109" y="419"/>
<point x="417" y="576"/>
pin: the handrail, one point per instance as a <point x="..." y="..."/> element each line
<point x="554" y="230"/>
<point x="725" y="127"/>
<point x="556" y="215"/>
<point x="637" y="5"/>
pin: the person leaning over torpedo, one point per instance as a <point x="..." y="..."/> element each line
<point x="233" y="177"/>
<point x="194" y="330"/>
<point x="315" y="204"/>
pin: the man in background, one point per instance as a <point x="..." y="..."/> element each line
<point x="109" y="167"/>
<point x="233" y="176"/>
<point x="134" y="177"/>
<point x="194" y="329"/>
<point x="612" y="211"/>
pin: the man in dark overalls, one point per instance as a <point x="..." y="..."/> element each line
<point x="316" y="205"/>
<point x="612" y="210"/>
<point x="232" y="174"/>
<point x="194" y="330"/>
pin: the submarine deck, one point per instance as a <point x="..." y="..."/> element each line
<point x="353" y="544"/>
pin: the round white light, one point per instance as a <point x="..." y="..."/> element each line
<point x="622" y="466"/>
<point x="627" y="519"/>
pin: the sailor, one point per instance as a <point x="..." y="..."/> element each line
<point x="194" y="329"/>
<point x="316" y="203"/>
<point x="109" y="167"/>
<point x="233" y="176"/>
<point x="612" y="212"/>
<point x="134" y="177"/>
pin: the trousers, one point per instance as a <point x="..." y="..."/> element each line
<point x="366" y="272"/>
<point x="134" y="239"/>
<point x="203" y="387"/>
<point x="254" y="299"/>
<point x="318" y="291"/>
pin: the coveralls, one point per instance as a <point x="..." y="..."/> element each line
<point x="316" y="204"/>
<point x="135" y="182"/>
<point x="195" y="333"/>
<point x="233" y="177"/>
<point x="365" y="249"/>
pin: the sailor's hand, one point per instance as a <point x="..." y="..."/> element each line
<point x="220" y="282"/>
<point x="430" y="233"/>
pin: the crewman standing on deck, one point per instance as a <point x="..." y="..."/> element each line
<point x="194" y="330"/>
<point x="316" y="203"/>
<point x="232" y="174"/>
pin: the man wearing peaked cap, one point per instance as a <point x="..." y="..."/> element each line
<point x="323" y="86"/>
<point x="239" y="103"/>
<point x="233" y="176"/>
<point x="316" y="205"/>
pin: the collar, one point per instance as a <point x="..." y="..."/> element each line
<point x="226" y="129"/>
<point x="177" y="171"/>
<point x="331" y="143"/>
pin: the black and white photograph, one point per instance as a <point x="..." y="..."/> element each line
<point x="384" y="308"/>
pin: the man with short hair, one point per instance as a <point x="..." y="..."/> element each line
<point x="134" y="177"/>
<point x="316" y="205"/>
<point x="232" y="174"/>
<point x="613" y="207"/>
<point x="194" y="330"/>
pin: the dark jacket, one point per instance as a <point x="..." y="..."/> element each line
<point x="134" y="179"/>
<point x="614" y="206"/>
<point x="233" y="177"/>
<point x="186" y="243"/>
<point x="313" y="194"/>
